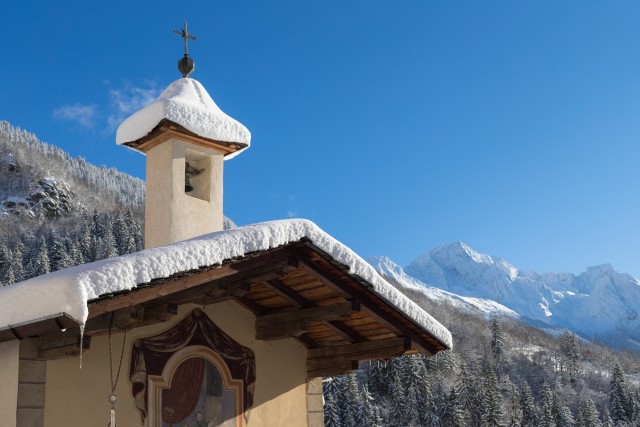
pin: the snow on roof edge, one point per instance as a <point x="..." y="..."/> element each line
<point x="69" y="290"/>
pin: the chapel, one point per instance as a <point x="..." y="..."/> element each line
<point x="206" y="326"/>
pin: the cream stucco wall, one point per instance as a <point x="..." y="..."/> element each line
<point x="9" y="367"/>
<point x="78" y="397"/>
<point x="170" y="214"/>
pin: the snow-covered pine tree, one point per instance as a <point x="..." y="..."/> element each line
<point x="527" y="406"/>
<point x="453" y="415"/>
<point x="367" y="417"/>
<point x="493" y="415"/>
<point x="40" y="263"/>
<point x="59" y="258"/>
<point x="570" y="351"/>
<point x="561" y="413"/>
<point x="470" y="392"/>
<point x="397" y="399"/>
<point x="333" y="411"/>
<point x="619" y="399"/>
<point x="17" y="262"/>
<point x="353" y="404"/>
<point x="546" y="418"/>
<point x="587" y="413"/>
<point x="497" y="342"/>
<point x="606" y="418"/>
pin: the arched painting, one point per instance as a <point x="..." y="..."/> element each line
<point x="196" y="389"/>
<point x="192" y="375"/>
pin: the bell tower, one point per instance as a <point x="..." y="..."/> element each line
<point x="186" y="138"/>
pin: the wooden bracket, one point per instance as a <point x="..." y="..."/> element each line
<point x="295" y="322"/>
<point x="340" y="359"/>
<point x="63" y="344"/>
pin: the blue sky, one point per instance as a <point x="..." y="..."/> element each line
<point x="395" y="126"/>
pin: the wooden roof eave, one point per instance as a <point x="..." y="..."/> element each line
<point x="167" y="129"/>
<point x="236" y="279"/>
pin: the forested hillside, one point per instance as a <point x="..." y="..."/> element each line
<point x="499" y="373"/>
<point x="57" y="211"/>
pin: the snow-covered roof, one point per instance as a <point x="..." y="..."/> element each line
<point x="187" y="103"/>
<point x="69" y="291"/>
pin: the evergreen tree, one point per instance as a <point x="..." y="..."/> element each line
<point x="470" y="392"/>
<point x="40" y="263"/>
<point x="515" y="412"/>
<point x="353" y="403"/>
<point x="367" y="416"/>
<point x="107" y="244"/>
<point x="332" y="391"/>
<point x="497" y="341"/>
<point x="547" y="419"/>
<point x="454" y="415"/>
<point x="331" y="411"/>
<point x="561" y="413"/>
<point x="397" y="399"/>
<point x="493" y="415"/>
<point x="10" y="278"/>
<point x="527" y="406"/>
<point x="619" y="399"/>
<point x="587" y="413"/>
<point x="17" y="262"/>
<point x="606" y="418"/>
<point x="60" y="259"/>
<point x="121" y="234"/>
<point x="570" y="351"/>
<point x="5" y="261"/>
<point x="97" y="225"/>
<point x="86" y="242"/>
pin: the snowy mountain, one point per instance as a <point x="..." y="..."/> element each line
<point x="409" y="284"/>
<point x="600" y="303"/>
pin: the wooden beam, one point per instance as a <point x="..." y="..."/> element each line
<point x="339" y="368"/>
<point x="60" y="345"/>
<point x="287" y="293"/>
<point x="158" y="314"/>
<point x="341" y="359"/>
<point x="294" y="322"/>
<point x="362" y="350"/>
<point x="346" y="332"/>
<point x="123" y="319"/>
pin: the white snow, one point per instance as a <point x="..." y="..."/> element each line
<point x="187" y="103"/>
<point x="69" y="290"/>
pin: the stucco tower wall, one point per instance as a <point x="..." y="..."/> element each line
<point x="171" y="215"/>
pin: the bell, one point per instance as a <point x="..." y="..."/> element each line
<point x="188" y="188"/>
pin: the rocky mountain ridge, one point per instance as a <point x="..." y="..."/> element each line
<point x="599" y="304"/>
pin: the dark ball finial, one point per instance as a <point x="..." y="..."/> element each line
<point x="186" y="66"/>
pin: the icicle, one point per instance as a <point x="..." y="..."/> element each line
<point x="81" y="342"/>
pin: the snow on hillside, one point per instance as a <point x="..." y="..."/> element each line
<point x="600" y="303"/>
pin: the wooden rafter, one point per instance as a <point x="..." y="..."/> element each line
<point x="294" y="322"/>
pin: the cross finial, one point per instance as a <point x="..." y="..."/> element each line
<point x="184" y="33"/>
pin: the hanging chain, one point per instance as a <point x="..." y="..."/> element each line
<point x="112" y="397"/>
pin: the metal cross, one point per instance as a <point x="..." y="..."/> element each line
<point x="186" y="36"/>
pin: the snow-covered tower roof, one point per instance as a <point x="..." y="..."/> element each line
<point x="184" y="106"/>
